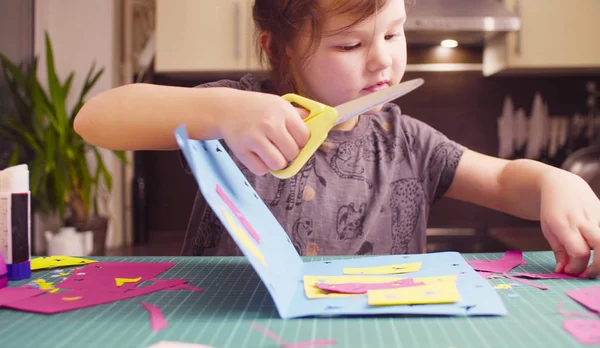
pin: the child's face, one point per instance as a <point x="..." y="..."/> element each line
<point x="363" y="59"/>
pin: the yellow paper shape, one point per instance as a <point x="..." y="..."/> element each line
<point x="71" y="298"/>
<point x="55" y="290"/>
<point x="121" y="281"/>
<point x="502" y="286"/>
<point x="57" y="261"/>
<point x="390" y="269"/>
<point x="494" y="276"/>
<point x="64" y="274"/>
<point x="43" y="284"/>
<point x="243" y="236"/>
<point x="438" y="293"/>
<point x="312" y="292"/>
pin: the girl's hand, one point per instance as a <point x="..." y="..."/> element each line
<point x="570" y="220"/>
<point x="264" y="131"/>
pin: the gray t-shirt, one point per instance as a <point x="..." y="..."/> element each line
<point x="365" y="191"/>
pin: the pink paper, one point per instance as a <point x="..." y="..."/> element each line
<point x="54" y="303"/>
<point x="186" y="287"/>
<point x="583" y="330"/>
<point x="157" y="320"/>
<point x="589" y="297"/>
<point x="304" y="344"/>
<point x="546" y="275"/>
<point x="362" y="288"/>
<point x="526" y="282"/>
<point x="8" y="295"/>
<point x="510" y="260"/>
<point x="101" y="275"/>
<point x="238" y="214"/>
<point x="574" y="314"/>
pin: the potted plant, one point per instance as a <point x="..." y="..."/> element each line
<point x="62" y="181"/>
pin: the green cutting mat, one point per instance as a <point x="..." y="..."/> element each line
<point x="234" y="297"/>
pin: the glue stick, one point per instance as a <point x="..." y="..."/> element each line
<point x="15" y="221"/>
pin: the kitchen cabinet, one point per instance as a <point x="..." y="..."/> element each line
<point x="204" y="36"/>
<point x="555" y="36"/>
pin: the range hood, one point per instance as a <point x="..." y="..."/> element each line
<point x="470" y="22"/>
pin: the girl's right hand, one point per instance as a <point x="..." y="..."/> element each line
<point x="264" y="131"/>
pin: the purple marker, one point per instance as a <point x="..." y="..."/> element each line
<point x="15" y="221"/>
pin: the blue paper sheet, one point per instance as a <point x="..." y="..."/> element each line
<point x="281" y="269"/>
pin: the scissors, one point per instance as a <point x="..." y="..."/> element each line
<point x="323" y="118"/>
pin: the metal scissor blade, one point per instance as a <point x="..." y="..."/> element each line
<point x="359" y="105"/>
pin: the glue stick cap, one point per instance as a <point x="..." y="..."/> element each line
<point x="15" y="179"/>
<point x="19" y="271"/>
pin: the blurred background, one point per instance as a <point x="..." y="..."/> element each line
<point x="514" y="78"/>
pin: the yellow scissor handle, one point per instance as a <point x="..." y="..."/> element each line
<point x="320" y="121"/>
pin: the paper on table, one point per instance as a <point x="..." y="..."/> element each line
<point x="362" y="288"/>
<point x="8" y="295"/>
<point x="283" y="344"/>
<point x="507" y="262"/>
<point x="389" y="269"/>
<point x="57" y="261"/>
<point x="441" y="292"/>
<point x="546" y="275"/>
<point x="157" y="320"/>
<point x="589" y="297"/>
<point x="54" y="303"/>
<point x="583" y="330"/>
<point x="173" y="344"/>
<point x="120" y="281"/>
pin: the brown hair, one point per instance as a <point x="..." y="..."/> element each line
<point x="286" y="19"/>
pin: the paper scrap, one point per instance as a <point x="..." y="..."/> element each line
<point x="583" y="330"/>
<point x="574" y="314"/>
<point x="244" y="238"/>
<point x="186" y="287"/>
<point x="157" y="320"/>
<point x="43" y="284"/>
<point x="57" y="261"/>
<point x="546" y="275"/>
<point x="53" y="303"/>
<point x="74" y="298"/>
<point x="174" y="344"/>
<point x="389" y="269"/>
<point x="8" y="295"/>
<point x="510" y="260"/>
<point x="362" y="288"/>
<point x="120" y="281"/>
<point x="238" y="214"/>
<point x="442" y="292"/>
<point x="503" y="286"/>
<point x="588" y="297"/>
<point x="526" y="282"/>
<point x="304" y="344"/>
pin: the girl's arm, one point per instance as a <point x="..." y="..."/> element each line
<point x="568" y="209"/>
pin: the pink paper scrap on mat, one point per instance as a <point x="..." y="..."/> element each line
<point x="75" y="299"/>
<point x="574" y="314"/>
<point x="186" y="287"/>
<point x="8" y="295"/>
<point x="526" y="282"/>
<point x="238" y="214"/>
<point x="157" y="319"/>
<point x="583" y="330"/>
<point x="507" y="262"/>
<point x="547" y="275"/>
<point x="589" y="297"/>
<point x="362" y="288"/>
<point x="303" y="344"/>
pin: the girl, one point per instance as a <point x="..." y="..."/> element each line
<point x="370" y="186"/>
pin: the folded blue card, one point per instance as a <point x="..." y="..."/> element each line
<point x="271" y="253"/>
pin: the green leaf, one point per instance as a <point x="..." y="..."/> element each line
<point x="56" y="91"/>
<point x="14" y="158"/>
<point x="121" y="155"/>
<point x="51" y="144"/>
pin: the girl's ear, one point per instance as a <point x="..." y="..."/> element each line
<point x="264" y="39"/>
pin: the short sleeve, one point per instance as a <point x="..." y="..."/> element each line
<point x="436" y="157"/>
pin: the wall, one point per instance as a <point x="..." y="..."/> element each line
<point x="84" y="32"/>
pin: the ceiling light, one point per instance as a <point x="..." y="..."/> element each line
<point x="449" y="43"/>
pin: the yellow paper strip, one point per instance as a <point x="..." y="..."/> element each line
<point x="390" y="269"/>
<point x="243" y="236"/>
<point x="57" y="261"/>
<point x="503" y="286"/>
<point x="442" y="292"/>
<point x="71" y="298"/>
<point x="121" y="281"/>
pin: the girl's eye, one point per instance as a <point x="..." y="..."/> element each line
<point x="349" y="47"/>
<point x="389" y="37"/>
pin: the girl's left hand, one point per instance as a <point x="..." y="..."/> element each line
<point x="570" y="220"/>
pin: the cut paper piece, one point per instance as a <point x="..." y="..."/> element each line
<point x="526" y="282"/>
<point x="574" y="314"/>
<point x="313" y="292"/>
<point x="546" y="275"/>
<point x="493" y="276"/>
<point x="157" y="320"/>
<point x="507" y="262"/>
<point x="102" y="275"/>
<point x="244" y="238"/>
<point x="75" y="298"/>
<point x="362" y="288"/>
<point x="57" y="261"/>
<point x="53" y="303"/>
<point x="503" y="286"/>
<point x="390" y="269"/>
<point x="55" y="290"/>
<point x="174" y="344"/>
<point x="304" y="344"/>
<point x="121" y="281"/>
<point x="583" y="330"/>
<point x="43" y="284"/>
<point x="186" y="287"/>
<point x="238" y="214"/>
<point x="8" y="295"/>
<point x="442" y="292"/>
<point x="588" y="297"/>
<point x="486" y="275"/>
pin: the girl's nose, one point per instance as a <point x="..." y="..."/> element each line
<point x="379" y="56"/>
